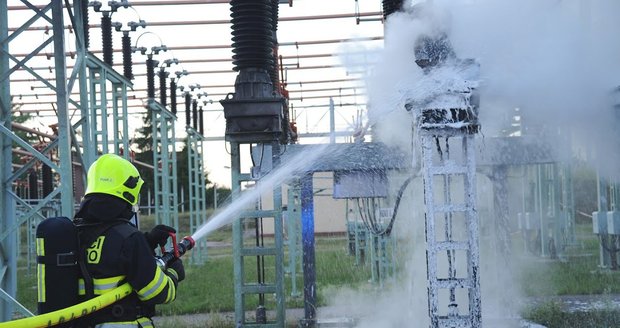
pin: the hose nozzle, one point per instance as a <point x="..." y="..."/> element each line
<point x="179" y="250"/>
<point x="185" y="245"/>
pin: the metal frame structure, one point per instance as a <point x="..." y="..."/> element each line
<point x="358" y="240"/>
<point x="377" y="250"/>
<point x="9" y="221"/>
<point x="241" y="251"/>
<point x="164" y="165"/>
<point x="452" y="312"/>
<point x="344" y="157"/>
<point x="197" y="191"/>
<point x="606" y="222"/>
<point x="100" y="88"/>
<point x="103" y="81"/>
<point x="382" y="260"/>
<point x="293" y="233"/>
<point x="548" y="211"/>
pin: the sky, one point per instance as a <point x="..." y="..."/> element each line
<point x="309" y="120"/>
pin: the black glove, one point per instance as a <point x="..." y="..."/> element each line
<point x="176" y="265"/>
<point x="159" y="235"/>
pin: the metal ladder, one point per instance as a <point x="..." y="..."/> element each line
<point x="120" y="119"/>
<point x="98" y="107"/>
<point x="164" y="165"/>
<point x="107" y="88"/>
<point x="197" y="192"/>
<point x="452" y="254"/>
<point x="271" y="280"/>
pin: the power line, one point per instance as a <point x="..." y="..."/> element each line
<point x="148" y="3"/>
<point x="222" y="21"/>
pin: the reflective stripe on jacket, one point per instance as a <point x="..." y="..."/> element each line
<point x="121" y="255"/>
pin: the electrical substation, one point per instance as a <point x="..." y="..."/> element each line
<point x="384" y="134"/>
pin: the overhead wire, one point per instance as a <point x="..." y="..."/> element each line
<point x="202" y="47"/>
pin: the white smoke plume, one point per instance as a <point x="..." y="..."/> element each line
<point x="558" y="62"/>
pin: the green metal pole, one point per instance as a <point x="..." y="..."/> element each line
<point x="603" y="207"/>
<point x="157" y="163"/>
<point x="238" y="272"/>
<point x="196" y="191"/>
<point x="62" y="101"/>
<point x="192" y="185"/>
<point x="8" y="245"/>
<point x="202" y="197"/>
<point x="116" y="96"/>
<point x="173" y="174"/>
<point x="125" y="120"/>
<point x="279" y="243"/>
<point x="88" y="152"/>
<point x="560" y="222"/>
<point x="165" y="167"/>
<point x="103" y="109"/>
<point x="292" y="219"/>
<point x="542" y="207"/>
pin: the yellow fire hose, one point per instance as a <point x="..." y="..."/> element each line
<point x="72" y="312"/>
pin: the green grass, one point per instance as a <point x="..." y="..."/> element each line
<point x="579" y="274"/>
<point x="551" y="315"/>
<point x="575" y="277"/>
<point x="209" y="288"/>
<point x="206" y="288"/>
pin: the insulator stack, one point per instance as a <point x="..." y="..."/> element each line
<point x="85" y="26"/>
<point x="150" y="78"/>
<point x="173" y="97"/>
<point x="273" y="71"/>
<point x="33" y="185"/>
<point x="46" y="176"/>
<point x="188" y="105"/>
<point x="274" y="14"/>
<point x="201" y="129"/>
<point x="106" y="39"/>
<point x="391" y="6"/>
<point x="254" y="112"/>
<point x="163" y="91"/>
<point x="195" y="114"/>
<point x="252" y="31"/>
<point x="127" y="63"/>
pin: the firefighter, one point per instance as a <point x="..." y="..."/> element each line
<point x="115" y="251"/>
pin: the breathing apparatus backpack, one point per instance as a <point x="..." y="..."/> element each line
<point x="61" y="250"/>
<point x="58" y="271"/>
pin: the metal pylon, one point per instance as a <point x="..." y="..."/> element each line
<point x="268" y="289"/>
<point x="62" y="85"/>
<point x="293" y="228"/>
<point x="107" y="89"/>
<point x="164" y="165"/>
<point x="197" y="192"/>
<point x="452" y="248"/>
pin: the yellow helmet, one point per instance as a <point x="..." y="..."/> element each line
<point x="113" y="175"/>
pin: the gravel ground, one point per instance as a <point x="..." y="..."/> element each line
<point x="330" y="319"/>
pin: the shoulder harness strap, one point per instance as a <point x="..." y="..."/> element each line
<point x="87" y="234"/>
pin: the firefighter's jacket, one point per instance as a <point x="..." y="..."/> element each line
<point x="121" y="254"/>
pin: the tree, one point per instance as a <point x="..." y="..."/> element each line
<point x="144" y="145"/>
